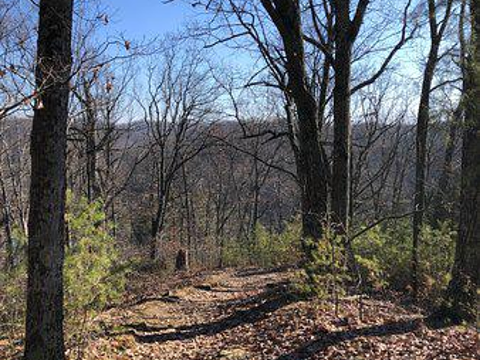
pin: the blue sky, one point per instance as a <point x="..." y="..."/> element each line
<point x="137" y="19"/>
<point x="149" y="18"/>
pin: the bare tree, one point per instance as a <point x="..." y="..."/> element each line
<point x="17" y="89"/>
<point x="279" y="41"/>
<point x="177" y="111"/>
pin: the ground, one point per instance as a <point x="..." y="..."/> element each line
<point x="251" y="314"/>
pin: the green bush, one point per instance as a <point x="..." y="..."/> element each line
<point x="93" y="275"/>
<point x="235" y="253"/>
<point x="265" y="248"/>
<point x="12" y="301"/>
<point x="384" y="257"/>
<point x="325" y="270"/>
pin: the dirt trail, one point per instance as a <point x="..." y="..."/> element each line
<point x="235" y="315"/>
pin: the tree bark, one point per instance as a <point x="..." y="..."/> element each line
<point x="44" y="339"/>
<point x="437" y="30"/>
<point x="341" y="154"/>
<point x="444" y="196"/>
<point x="312" y="168"/>
<point x="10" y="261"/>
<point x="423" y="120"/>
<point x="462" y="291"/>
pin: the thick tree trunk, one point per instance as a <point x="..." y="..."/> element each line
<point x="46" y="225"/>
<point x="311" y="172"/>
<point x="462" y="291"/>
<point x="312" y="167"/>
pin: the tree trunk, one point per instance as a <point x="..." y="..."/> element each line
<point x="462" y="291"/>
<point x="312" y="168"/>
<point x="93" y="191"/>
<point x="342" y="123"/>
<point x="423" y="120"/>
<point x="10" y="261"/>
<point x="444" y="196"/>
<point x="181" y="261"/>
<point x="157" y="225"/>
<point x="437" y="30"/>
<point x="44" y="338"/>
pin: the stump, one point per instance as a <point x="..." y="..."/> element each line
<point x="181" y="262"/>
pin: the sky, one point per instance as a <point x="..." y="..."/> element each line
<point x="148" y="18"/>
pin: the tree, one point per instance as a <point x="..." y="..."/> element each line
<point x="274" y="28"/>
<point x="46" y="225"/>
<point x="335" y="34"/>
<point x="346" y="32"/>
<point x="462" y="291"/>
<point x="312" y="167"/>
<point x="177" y="111"/>
<point x="437" y="27"/>
<point x="446" y="192"/>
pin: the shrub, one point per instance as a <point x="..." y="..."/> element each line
<point x="12" y="301"/>
<point x="384" y="257"/>
<point x="325" y="271"/>
<point x="265" y="248"/>
<point x="93" y="275"/>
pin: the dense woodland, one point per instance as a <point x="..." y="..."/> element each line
<point x="335" y="143"/>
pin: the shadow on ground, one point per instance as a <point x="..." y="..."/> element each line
<point x="259" y="308"/>
<point x="326" y="340"/>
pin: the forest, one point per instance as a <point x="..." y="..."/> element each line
<point x="239" y="179"/>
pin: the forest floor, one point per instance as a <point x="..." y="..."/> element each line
<point x="251" y="314"/>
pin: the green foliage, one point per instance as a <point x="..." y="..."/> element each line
<point x="12" y="300"/>
<point x="235" y="253"/>
<point x="384" y="257"/>
<point x="19" y="240"/>
<point x="265" y="248"/>
<point x="93" y="276"/>
<point x="326" y="270"/>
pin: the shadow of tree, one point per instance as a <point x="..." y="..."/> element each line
<point x="260" y="308"/>
<point x="331" y="339"/>
<point x="261" y="271"/>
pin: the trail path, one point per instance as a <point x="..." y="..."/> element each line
<point x="234" y="315"/>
